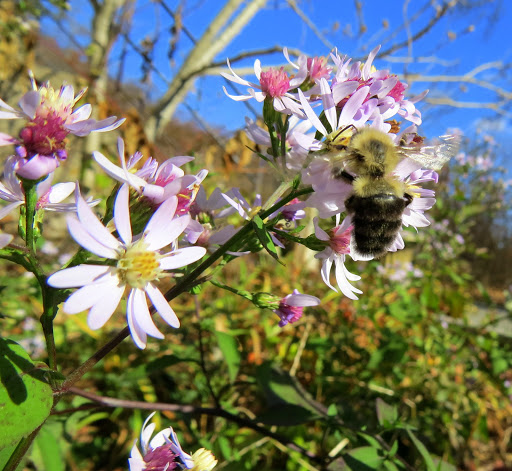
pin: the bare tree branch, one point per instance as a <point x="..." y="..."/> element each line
<point x="215" y="39"/>
<point x="312" y="26"/>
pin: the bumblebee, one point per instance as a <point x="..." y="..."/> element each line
<point x="379" y="197"/>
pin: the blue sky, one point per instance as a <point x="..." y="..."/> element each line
<point x="276" y="26"/>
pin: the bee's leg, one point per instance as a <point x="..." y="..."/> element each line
<point x="340" y="174"/>
<point x="408" y="199"/>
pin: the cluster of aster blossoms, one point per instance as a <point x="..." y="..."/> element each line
<point x="322" y="104"/>
<point x="163" y="452"/>
<point x="49" y="118"/>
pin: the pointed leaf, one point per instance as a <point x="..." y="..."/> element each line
<point x="264" y="237"/>
<point x="229" y="347"/>
<point x="423" y="451"/>
<point x="386" y="414"/>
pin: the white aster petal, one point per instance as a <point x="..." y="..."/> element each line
<point x="5" y="239"/>
<point x="86" y="240"/>
<point x="77" y="276"/>
<point x="162" y="306"/>
<point x="346" y="288"/>
<point x="60" y="191"/>
<point x="102" y="311"/>
<point x="93" y="225"/>
<point x="122" y="215"/>
<point x="88" y="296"/>
<point x="182" y="257"/>
<point x="136" y="331"/>
<point x="10" y="207"/>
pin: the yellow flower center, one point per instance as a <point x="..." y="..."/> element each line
<point x="203" y="460"/>
<point x="139" y="266"/>
<point x="410" y="190"/>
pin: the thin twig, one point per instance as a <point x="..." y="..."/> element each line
<point x="189" y="409"/>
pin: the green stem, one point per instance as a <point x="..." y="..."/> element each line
<point x="49" y="313"/>
<point x="242" y="293"/>
<point x="21" y="450"/>
<point x="30" y="189"/>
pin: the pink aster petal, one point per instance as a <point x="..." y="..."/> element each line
<point x="162" y="306"/>
<point x="77" y="276"/>
<point x="328" y="104"/>
<point x="182" y="257"/>
<point x="368" y="64"/>
<point x="122" y="215"/>
<point x="80" y="114"/>
<point x="302" y="300"/>
<point x="88" y="241"/>
<point x="311" y="115"/>
<point x="36" y="167"/>
<point x="117" y="173"/>
<point x="319" y="232"/>
<point x="30" y="102"/>
<point x="83" y="128"/>
<point x="6" y="139"/>
<point x="352" y="106"/>
<point x="67" y="93"/>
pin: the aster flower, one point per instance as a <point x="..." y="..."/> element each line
<point x="163" y="452"/>
<point x="50" y="198"/>
<point x="242" y="206"/>
<point x="338" y="240"/>
<point x="139" y="263"/>
<point x="274" y="84"/>
<point x="291" y="307"/>
<point x="386" y="88"/>
<point x="314" y="68"/>
<point x="156" y="182"/>
<point x="42" y="142"/>
<point x="423" y="199"/>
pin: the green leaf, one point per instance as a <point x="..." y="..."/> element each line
<point x="387" y="415"/>
<point x="165" y="361"/>
<point x="365" y="458"/>
<point x="25" y="397"/>
<point x="47" y="452"/>
<point x="280" y="388"/>
<point x="423" y="451"/>
<point x="264" y="236"/>
<point x="229" y="348"/>
<point x="287" y="415"/>
<point x="443" y="465"/>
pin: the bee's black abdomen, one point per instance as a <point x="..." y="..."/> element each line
<point x="377" y="220"/>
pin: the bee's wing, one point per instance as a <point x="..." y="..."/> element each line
<point x="433" y="156"/>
